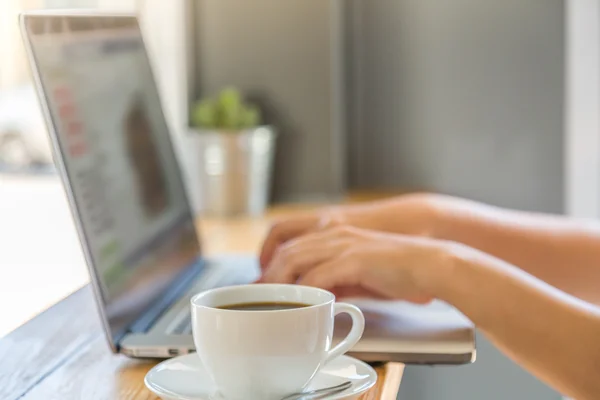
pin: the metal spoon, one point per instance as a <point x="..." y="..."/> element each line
<point x="319" y="393"/>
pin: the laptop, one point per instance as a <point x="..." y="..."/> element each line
<point x="113" y="150"/>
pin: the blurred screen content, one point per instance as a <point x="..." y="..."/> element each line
<point x="115" y="143"/>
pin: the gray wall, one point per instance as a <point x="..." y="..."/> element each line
<point x="463" y="97"/>
<point x="286" y="55"/>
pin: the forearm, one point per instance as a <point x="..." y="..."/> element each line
<point x="565" y="253"/>
<point x="411" y="214"/>
<point x="552" y="334"/>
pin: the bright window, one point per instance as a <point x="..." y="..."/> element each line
<point x="40" y="258"/>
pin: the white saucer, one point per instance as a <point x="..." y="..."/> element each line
<point x="184" y="378"/>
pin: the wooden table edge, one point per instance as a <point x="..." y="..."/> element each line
<point x="390" y="387"/>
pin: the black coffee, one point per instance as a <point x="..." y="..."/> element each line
<point x="263" y="306"/>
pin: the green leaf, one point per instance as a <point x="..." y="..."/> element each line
<point x="230" y="100"/>
<point x="205" y="114"/>
<point x="227" y="112"/>
<point x="250" y="117"/>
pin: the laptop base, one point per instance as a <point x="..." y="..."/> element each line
<point x="395" y="331"/>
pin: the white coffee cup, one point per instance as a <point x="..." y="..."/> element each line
<point x="268" y="354"/>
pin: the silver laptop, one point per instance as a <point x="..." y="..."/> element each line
<point x="113" y="150"/>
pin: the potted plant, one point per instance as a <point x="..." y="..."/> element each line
<point x="235" y="152"/>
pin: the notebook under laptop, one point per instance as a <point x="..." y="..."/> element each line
<point x="113" y="150"/>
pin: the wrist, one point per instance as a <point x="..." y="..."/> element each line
<point x="439" y="276"/>
<point x="418" y="214"/>
<point x="431" y="215"/>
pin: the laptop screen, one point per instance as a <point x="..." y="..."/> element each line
<point x="118" y="158"/>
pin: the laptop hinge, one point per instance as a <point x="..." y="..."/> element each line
<point x="185" y="280"/>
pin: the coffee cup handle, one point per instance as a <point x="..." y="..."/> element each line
<point x="358" y="326"/>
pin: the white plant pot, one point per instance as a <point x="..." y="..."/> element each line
<point x="234" y="170"/>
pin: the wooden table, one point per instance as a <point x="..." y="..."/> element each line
<point x="62" y="353"/>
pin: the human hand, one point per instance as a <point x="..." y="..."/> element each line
<point x="412" y="214"/>
<point x="291" y="228"/>
<point x="356" y="262"/>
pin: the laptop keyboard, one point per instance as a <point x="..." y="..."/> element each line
<point x="219" y="279"/>
<point x="184" y="327"/>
